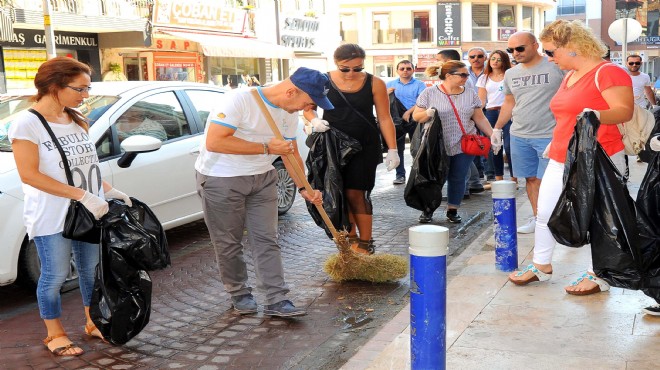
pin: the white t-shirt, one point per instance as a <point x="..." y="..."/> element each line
<point x="494" y="91"/>
<point x="639" y="82"/>
<point x="44" y="213"/>
<point x="241" y="112"/>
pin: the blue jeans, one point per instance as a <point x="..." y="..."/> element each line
<point x="459" y="165"/>
<point x="55" y="256"/>
<point x="496" y="162"/>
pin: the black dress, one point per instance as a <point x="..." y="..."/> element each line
<point x="360" y="173"/>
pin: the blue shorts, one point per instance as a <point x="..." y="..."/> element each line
<point x="527" y="156"/>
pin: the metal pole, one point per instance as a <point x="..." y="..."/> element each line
<point x="49" y="34"/>
<point x="428" y="296"/>
<point x="624" y="46"/>
<point x="504" y="225"/>
<point x="280" y="72"/>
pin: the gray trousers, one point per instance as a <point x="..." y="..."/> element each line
<point x="231" y="204"/>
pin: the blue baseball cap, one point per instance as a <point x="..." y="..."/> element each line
<point x="313" y="83"/>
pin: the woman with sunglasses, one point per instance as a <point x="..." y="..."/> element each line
<point x="62" y="85"/>
<point x="354" y="93"/>
<point x="491" y="94"/>
<point x="439" y="98"/>
<point x="574" y="48"/>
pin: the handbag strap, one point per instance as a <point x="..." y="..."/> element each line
<point x="460" y="123"/>
<point x="65" y="162"/>
<point x="349" y="103"/>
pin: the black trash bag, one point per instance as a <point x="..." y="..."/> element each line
<point x="648" y="206"/>
<point x="397" y="109"/>
<point x="429" y="170"/>
<point x="328" y="155"/>
<point x="121" y="299"/>
<point x="569" y="222"/>
<point x="143" y="237"/>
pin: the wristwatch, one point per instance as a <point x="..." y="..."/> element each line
<point x="265" y="148"/>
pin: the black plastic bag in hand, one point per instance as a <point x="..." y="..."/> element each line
<point x="121" y="299"/>
<point x="569" y="222"/>
<point x="648" y="206"/>
<point x="429" y="170"/>
<point x="328" y="155"/>
<point x="143" y="238"/>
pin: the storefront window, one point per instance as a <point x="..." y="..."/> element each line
<point x="480" y="22"/>
<point x="528" y="19"/>
<point x="348" y="28"/>
<point x="234" y="72"/>
<point x="506" y="22"/>
<point x="381" y="32"/>
<point x="175" y="71"/>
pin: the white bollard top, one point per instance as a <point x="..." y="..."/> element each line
<point x="428" y="240"/>
<point x="503" y="189"/>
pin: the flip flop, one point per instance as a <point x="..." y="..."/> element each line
<point x="538" y="275"/>
<point x="59" y="351"/>
<point x="601" y="285"/>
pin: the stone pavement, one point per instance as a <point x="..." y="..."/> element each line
<point x="494" y="324"/>
<point x="193" y="327"/>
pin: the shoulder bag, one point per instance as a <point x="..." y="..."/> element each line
<point x="79" y="223"/>
<point x="471" y="144"/>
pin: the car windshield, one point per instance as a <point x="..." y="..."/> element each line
<point x="93" y="107"/>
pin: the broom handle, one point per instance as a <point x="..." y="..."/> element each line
<point x="298" y="172"/>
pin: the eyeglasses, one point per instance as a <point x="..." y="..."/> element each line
<point x="462" y="75"/>
<point x="479" y="56"/>
<point x="495" y="59"/>
<point x="634" y="63"/>
<point x="550" y="53"/>
<point x="80" y="90"/>
<point x="519" y="49"/>
<point x="348" y="69"/>
<point x="405" y="69"/>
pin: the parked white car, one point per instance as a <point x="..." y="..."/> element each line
<point x="164" y="178"/>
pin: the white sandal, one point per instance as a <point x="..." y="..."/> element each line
<point x="538" y="275"/>
<point x="601" y="285"/>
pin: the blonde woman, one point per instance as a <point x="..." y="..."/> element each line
<point x="453" y="77"/>
<point x="573" y="47"/>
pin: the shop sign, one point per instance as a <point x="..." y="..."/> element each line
<point x="300" y="33"/>
<point x="503" y="34"/>
<point x="211" y="15"/>
<point x="169" y="44"/>
<point x="65" y="40"/>
<point x="449" y="24"/>
<point x="425" y="60"/>
<point x="174" y="64"/>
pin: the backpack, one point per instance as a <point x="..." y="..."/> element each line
<point x="635" y="133"/>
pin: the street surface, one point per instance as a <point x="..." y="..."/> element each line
<point x="192" y="324"/>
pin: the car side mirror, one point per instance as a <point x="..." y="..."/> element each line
<point x="134" y="145"/>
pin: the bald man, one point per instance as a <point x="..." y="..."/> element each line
<point x="528" y="88"/>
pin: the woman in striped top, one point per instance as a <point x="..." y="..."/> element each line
<point x="453" y="76"/>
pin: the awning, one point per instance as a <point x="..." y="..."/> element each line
<point x="239" y="47"/>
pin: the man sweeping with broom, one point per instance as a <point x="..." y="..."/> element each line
<point x="238" y="183"/>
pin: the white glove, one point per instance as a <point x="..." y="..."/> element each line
<point x="116" y="194"/>
<point x="546" y="151"/>
<point x="97" y="206"/>
<point x="392" y="159"/>
<point x="430" y="112"/>
<point x="316" y="125"/>
<point x="655" y="143"/>
<point x="496" y="140"/>
<point x="597" y="113"/>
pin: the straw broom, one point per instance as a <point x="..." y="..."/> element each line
<point x="347" y="264"/>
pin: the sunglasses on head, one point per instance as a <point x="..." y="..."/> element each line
<point x="348" y="69"/>
<point x="462" y="75"/>
<point x="519" y="49"/>
<point x="405" y="69"/>
<point x="634" y="63"/>
<point x="478" y="56"/>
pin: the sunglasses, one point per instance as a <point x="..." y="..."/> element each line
<point x="405" y="69"/>
<point x="479" y="56"/>
<point x="634" y="63"/>
<point x="347" y="69"/>
<point x="462" y="75"/>
<point x="550" y="53"/>
<point x="80" y="90"/>
<point x="519" y="49"/>
<point x="495" y="59"/>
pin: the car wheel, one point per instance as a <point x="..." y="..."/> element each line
<point x="286" y="189"/>
<point x="29" y="268"/>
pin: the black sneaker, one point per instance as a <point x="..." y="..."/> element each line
<point x="425" y="218"/>
<point x="245" y="304"/>
<point x="652" y="310"/>
<point x="477" y="190"/>
<point x="453" y="217"/>
<point x="283" y="309"/>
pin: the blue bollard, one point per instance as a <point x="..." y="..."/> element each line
<point x="428" y="296"/>
<point x="504" y="225"/>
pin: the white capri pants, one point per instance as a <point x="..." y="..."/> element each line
<point x="549" y="192"/>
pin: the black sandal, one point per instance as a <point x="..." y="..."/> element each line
<point x="365" y="246"/>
